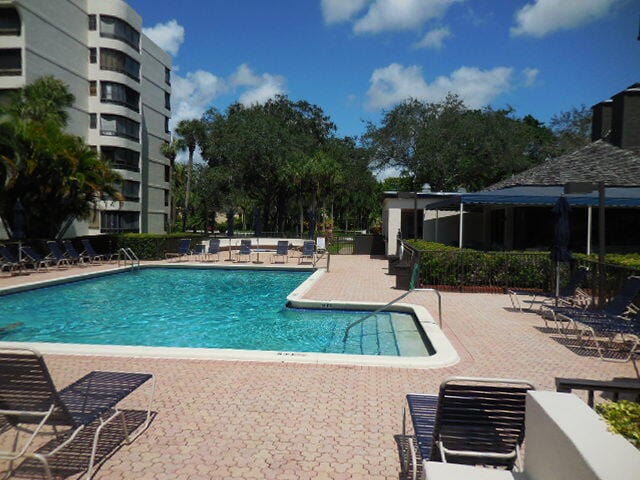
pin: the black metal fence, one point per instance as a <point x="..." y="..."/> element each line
<point x="479" y="271"/>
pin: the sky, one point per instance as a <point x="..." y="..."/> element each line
<point x="358" y="58"/>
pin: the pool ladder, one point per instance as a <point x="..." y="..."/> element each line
<point x="129" y="256"/>
<point x="392" y="302"/>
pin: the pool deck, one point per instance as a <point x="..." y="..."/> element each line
<point x="221" y="419"/>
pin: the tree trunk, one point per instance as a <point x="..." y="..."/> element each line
<point x="187" y="190"/>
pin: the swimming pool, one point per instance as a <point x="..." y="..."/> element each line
<point x="175" y="307"/>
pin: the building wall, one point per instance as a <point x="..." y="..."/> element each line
<point x="55" y="40"/>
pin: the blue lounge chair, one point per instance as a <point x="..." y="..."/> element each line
<point x="308" y="251"/>
<point x="571" y="295"/>
<point x="282" y="250"/>
<point x="621" y="306"/>
<point x="245" y="251"/>
<point x="184" y="249"/>
<point x="198" y="251"/>
<point x="214" y="248"/>
<point x="471" y="421"/>
<point x="91" y="253"/>
<point x="35" y="259"/>
<point x="73" y="254"/>
<point x="56" y="255"/>
<point x="9" y="261"/>
<point x="29" y="401"/>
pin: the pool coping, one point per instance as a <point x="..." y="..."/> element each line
<point x="445" y="355"/>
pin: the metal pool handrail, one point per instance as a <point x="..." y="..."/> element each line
<point x="395" y="300"/>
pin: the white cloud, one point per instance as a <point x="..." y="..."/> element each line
<point x="434" y="38"/>
<point x="337" y="11"/>
<point x="168" y="36"/>
<point x="244" y="76"/>
<point x="395" y="83"/>
<point x="530" y="76"/>
<point x="270" y="86"/>
<point x="192" y="94"/>
<point x="385" y="15"/>
<point x="546" y="16"/>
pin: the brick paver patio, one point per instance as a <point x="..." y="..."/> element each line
<point x="223" y="419"/>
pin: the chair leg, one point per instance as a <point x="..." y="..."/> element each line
<point x="45" y="464"/>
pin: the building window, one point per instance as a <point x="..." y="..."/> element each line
<point x="167" y="76"/>
<point x="92" y="23"/>
<point x="9" y="21"/>
<point x="10" y="61"/>
<point x="119" y="62"/>
<point x="166" y="198"/>
<point x="93" y="89"/>
<point x="120" y="222"/>
<point x="122" y="158"/>
<point x="167" y="100"/>
<point x="112" y="27"/>
<point x="130" y="190"/>
<point x="93" y="120"/>
<point x="111" y="92"/>
<point x="166" y="125"/>
<point x="119" y="126"/>
<point x="167" y="173"/>
<point x="93" y="55"/>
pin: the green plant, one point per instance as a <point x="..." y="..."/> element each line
<point x="446" y="265"/>
<point x="149" y="246"/>
<point x="624" y="418"/>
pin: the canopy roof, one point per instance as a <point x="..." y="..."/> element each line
<point x="539" y="195"/>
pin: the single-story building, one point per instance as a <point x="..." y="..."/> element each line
<point x="516" y="213"/>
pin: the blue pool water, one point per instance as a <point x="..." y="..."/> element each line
<point x="200" y="308"/>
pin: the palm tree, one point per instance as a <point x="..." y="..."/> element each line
<point x="170" y="151"/>
<point x="45" y="167"/>
<point x="191" y="133"/>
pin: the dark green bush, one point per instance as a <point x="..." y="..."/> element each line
<point x="149" y="246"/>
<point x="624" y="418"/>
<point x="445" y="265"/>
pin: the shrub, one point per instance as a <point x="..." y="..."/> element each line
<point x="624" y="418"/>
<point x="446" y="265"/>
<point x="149" y="246"/>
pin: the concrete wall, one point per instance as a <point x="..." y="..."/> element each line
<point x="566" y="439"/>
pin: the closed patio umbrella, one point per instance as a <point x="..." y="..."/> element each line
<point x="560" y="251"/>
<point x="230" y="225"/>
<point x="312" y="225"/>
<point x="18" y="226"/>
<point x="257" y="223"/>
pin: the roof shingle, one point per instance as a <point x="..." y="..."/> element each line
<point x="598" y="161"/>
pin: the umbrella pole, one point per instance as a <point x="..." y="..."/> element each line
<point x="557" y="282"/>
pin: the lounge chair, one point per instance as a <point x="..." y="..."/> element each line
<point x="29" y="401"/>
<point x="184" y="249"/>
<point x="308" y="251"/>
<point x="282" y="250"/>
<point x="74" y="255"/>
<point x="570" y="295"/>
<point x="477" y="421"/>
<point x="56" y="255"/>
<point x="9" y="261"/>
<point x="198" y="251"/>
<point x="245" y="251"/>
<point x="91" y="253"/>
<point x="620" y="307"/>
<point x="35" y="259"/>
<point x="214" y="248"/>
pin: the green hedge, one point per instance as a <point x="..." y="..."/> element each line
<point x="149" y="246"/>
<point x="445" y="265"/>
<point x="624" y="418"/>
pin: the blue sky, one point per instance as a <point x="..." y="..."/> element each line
<point x="355" y="58"/>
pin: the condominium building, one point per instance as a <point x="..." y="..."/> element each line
<point x="121" y="81"/>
